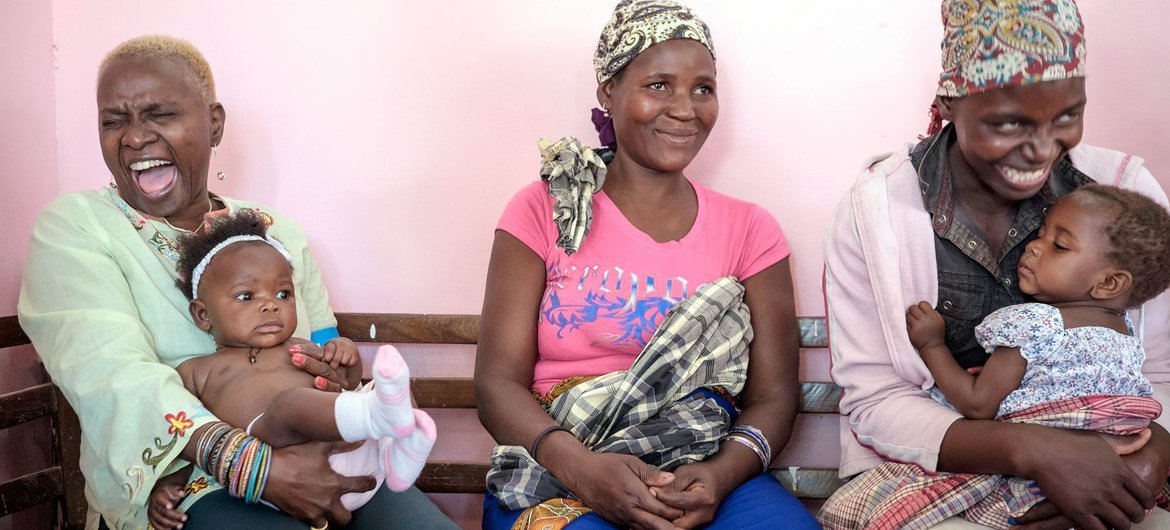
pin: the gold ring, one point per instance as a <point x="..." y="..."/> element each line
<point x="323" y="526"/>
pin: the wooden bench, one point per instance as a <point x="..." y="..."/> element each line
<point x="62" y="482"/>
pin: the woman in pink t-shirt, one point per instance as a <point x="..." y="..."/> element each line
<point x="559" y="310"/>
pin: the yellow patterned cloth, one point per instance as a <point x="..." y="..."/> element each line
<point x="990" y="44"/>
<point x="639" y="24"/>
<point x="553" y="514"/>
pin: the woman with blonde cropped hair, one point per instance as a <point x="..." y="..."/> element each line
<point x="99" y="302"/>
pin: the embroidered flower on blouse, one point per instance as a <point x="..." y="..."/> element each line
<point x="179" y="423"/>
<point x="197" y="485"/>
<point x="134" y="217"/>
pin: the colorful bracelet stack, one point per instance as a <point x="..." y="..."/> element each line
<point x="753" y="439"/>
<point x="237" y="461"/>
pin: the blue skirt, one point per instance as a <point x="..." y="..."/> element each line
<point x="761" y="503"/>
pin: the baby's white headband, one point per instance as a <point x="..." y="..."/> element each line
<point x="197" y="272"/>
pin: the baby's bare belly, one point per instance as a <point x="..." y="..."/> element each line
<point x="239" y="399"/>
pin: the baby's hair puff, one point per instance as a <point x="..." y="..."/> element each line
<point x="194" y="248"/>
<point x="1140" y="236"/>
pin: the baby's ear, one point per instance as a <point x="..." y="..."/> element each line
<point x="199" y="314"/>
<point x="1114" y="286"/>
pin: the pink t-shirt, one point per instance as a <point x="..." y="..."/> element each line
<point x="602" y="304"/>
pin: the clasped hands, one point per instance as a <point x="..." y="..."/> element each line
<point x="623" y="489"/>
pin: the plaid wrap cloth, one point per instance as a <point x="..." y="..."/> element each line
<point x="896" y="496"/>
<point x="574" y="173"/>
<point x="641" y="411"/>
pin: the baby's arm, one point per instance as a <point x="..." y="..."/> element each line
<point x="168" y="491"/>
<point x="977" y="398"/>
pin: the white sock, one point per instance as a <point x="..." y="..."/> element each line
<point x="391" y="412"/>
<point x="351" y="411"/>
<point x="404" y="458"/>
<point x="384" y="411"/>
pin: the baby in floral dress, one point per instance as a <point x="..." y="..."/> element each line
<point x="1100" y="251"/>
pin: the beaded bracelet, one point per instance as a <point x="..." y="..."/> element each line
<point x="540" y="438"/>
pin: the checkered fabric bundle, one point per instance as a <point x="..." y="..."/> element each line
<point x="896" y="496"/>
<point x="641" y="411"/>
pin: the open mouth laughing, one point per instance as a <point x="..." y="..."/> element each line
<point x="154" y="177"/>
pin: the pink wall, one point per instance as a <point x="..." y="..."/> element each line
<point x="396" y="132"/>
<point x="28" y="179"/>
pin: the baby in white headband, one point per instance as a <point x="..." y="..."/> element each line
<point x="242" y="293"/>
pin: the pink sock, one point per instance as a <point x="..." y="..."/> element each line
<point x="404" y="458"/>
<point x="390" y="403"/>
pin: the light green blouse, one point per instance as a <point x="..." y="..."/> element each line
<point x="100" y="304"/>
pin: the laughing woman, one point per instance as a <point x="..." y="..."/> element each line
<point x="100" y="303"/>
<point x="605" y="421"/>
<point x="946" y="220"/>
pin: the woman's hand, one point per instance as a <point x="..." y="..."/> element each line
<point x="301" y="483"/>
<point x="617" y="487"/>
<point x="1088" y="485"/>
<point x="697" y="491"/>
<point x="316" y="360"/>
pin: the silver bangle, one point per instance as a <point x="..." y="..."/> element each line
<point x="750" y="444"/>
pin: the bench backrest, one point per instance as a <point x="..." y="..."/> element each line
<point x="63" y="483"/>
<point x="459" y="393"/>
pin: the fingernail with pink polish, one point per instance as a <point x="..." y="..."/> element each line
<point x="295" y="348"/>
<point x="298" y="359"/>
<point x="320" y="382"/>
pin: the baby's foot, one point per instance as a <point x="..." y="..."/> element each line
<point x="391" y="410"/>
<point x="404" y="458"/>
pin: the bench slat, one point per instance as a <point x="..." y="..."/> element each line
<point x="803" y="482"/>
<point x="813" y="332"/>
<point x="409" y="328"/>
<point x="464" y="329"/>
<point x="10" y="332"/>
<point x="821" y="398"/>
<point x="453" y="478"/>
<point x="809" y="482"/>
<point x="27" y="404"/>
<point x="459" y="393"/>
<point x="30" y="490"/>
<point x="443" y="393"/>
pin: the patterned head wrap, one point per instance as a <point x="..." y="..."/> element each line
<point x="639" y="24"/>
<point x="990" y="44"/>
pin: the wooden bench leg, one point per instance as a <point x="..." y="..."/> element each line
<point x="67" y="433"/>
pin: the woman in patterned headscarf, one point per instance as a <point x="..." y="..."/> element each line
<point x="946" y="220"/>
<point x="640" y="426"/>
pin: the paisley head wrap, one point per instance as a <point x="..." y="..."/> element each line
<point x="990" y="44"/>
<point x="639" y="24"/>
